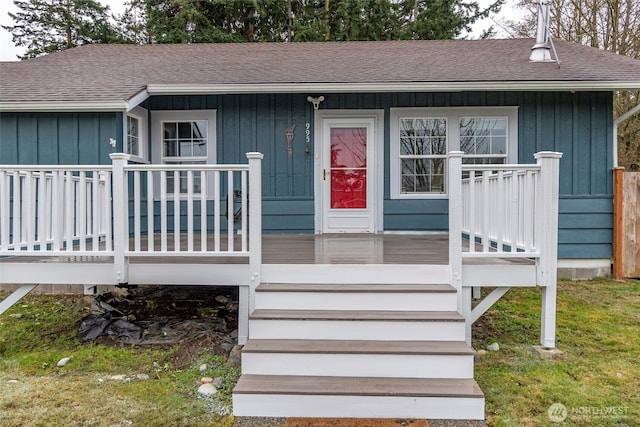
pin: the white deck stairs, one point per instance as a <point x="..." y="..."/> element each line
<point x="357" y="351"/>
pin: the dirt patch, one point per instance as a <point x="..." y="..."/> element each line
<point x="189" y="319"/>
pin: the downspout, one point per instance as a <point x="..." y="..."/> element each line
<point x="616" y="122"/>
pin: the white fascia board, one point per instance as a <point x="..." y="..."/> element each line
<point x="137" y="99"/>
<point x="204" y="89"/>
<point x="62" y="106"/>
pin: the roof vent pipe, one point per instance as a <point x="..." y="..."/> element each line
<point x="540" y="52"/>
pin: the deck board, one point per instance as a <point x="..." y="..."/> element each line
<point x="430" y="249"/>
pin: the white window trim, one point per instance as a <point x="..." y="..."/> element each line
<point x="159" y="117"/>
<point x="143" y="125"/>
<point x="453" y="115"/>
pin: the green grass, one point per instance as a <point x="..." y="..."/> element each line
<point x="40" y="330"/>
<point x="598" y="330"/>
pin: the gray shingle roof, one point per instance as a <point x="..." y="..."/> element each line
<point x="117" y="72"/>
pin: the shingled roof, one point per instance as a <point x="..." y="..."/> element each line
<point x="117" y="73"/>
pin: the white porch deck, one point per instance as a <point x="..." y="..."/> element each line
<point x="96" y="226"/>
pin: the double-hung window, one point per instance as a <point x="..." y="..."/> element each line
<point x="184" y="137"/>
<point x="422" y="137"/>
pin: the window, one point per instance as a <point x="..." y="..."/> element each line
<point x="183" y="137"/>
<point x="133" y="135"/>
<point x="184" y="142"/>
<point x="423" y="149"/>
<point x="135" y="131"/>
<point x="483" y="140"/>
<point x="422" y="137"/>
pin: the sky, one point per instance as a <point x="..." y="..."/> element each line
<point x="9" y="52"/>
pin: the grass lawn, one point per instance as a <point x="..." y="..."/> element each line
<point x="598" y="377"/>
<point x="598" y="331"/>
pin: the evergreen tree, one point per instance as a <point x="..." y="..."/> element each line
<point x="45" y="26"/>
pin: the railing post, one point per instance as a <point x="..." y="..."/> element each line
<point x="547" y="194"/>
<point x="120" y="217"/>
<point x="454" y="166"/>
<point x="247" y="301"/>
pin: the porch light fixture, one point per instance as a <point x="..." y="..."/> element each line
<point x="315" y="100"/>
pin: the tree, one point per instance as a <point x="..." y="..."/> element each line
<point x="611" y="25"/>
<point x="45" y="26"/>
<point x="131" y="25"/>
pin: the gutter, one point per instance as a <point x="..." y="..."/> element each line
<point x="616" y="122"/>
<point x="311" y="88"/>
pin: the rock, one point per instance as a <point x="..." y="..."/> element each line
<point x="15" y="315"/>
<point x="222" y="299"/>
<point x="203" y="367"/>
<point x="493" y="347"/>
<point x="63" y="362"/>
<point x="227" y="346"/>
<point x="206" y="380"/>
<point x="207" y="389"/>
<point x="217" y="382"/>
<point x="234" y="333"/>
<point x="118" y="377"/>
<point x="619" y="374"/>
<point x="235" y="356"/>
<point x="481" y="352"/>
<point x="143" y="377"/>
<point x="12" y="382"/>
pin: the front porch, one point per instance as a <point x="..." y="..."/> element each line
<point x="300" y="295"/>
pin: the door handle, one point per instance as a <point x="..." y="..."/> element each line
<point x="324" y="174"/>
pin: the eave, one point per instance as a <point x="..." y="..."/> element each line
<point x="212" y="89"/>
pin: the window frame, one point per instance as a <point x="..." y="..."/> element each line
<point x="158" y="118"/>
<point x="452" y="116"/>
<point x="142" y="115"/>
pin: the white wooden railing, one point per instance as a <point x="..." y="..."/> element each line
<point x="506" y="211"/>
<point x="131" y="210"/>
<point x="54" y="210"/>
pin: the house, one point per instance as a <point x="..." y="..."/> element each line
<point x="322" y="179"/>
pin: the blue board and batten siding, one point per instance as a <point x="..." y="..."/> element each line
<point x="577" y="124"/>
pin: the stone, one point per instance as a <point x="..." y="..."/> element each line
<point x="118" y="377"/>
<point x="205" y="380"/>
<point x="619" y="375"/>
<point x="63" y="362"/>
<point x="203" y="367"/>
<point x="15" y="315"/>
<point x="481" y="352"/>
<point x="222" y="299"/>
<point x="234" y="334"/>
<point x="142" y="377"/>
<point x="207" y="389"/>
<point x="227" y="346"/>
<point x="12" y="382"/>
<point x="234" y="358"/>
<point x="493" y="347"/>
<point x="217" y="382"/>
<point x="546" y="353"/>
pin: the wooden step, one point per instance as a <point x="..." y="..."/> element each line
<point x="358" y="315"/>
<point x="454" y="348"/>
<point x="358" y="288"/>
<point x="412" y="297"/>
<point x="417" y="359"/>
<point x="290" y="396"/>
<point x="377" y="325"/>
